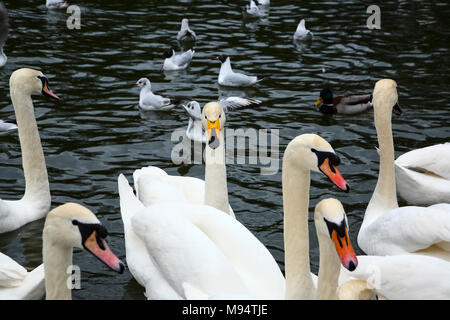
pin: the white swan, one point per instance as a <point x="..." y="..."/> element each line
<point x="16" y="283"/>
<point x="175" y="61"/>
<point x="66" y="227"/>
<point x="150" y="101"/>
<point x="153" y="185"/>
<point x="4" y="30"/>
<point x="357" y="290"/>
<point x="35" y="203"/>
<point x="195" y="129"/>
<point x="386" y="228"/>
<point x="423" y="175"/>
<point x="186" y="251"/>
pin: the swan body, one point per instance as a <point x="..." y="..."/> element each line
<point x="185" y="32"/>
<point x="16" y="283"/>
<point x="195" y="130"/>
<point x="35" y="203"/>
<point x="227" y="77"/>
<point x="386" y="228"/>
<point x="162" y="242"/>
<point x="423" y="175"/>
<point x="301" y="31"/>
<point x="175" y="61"/>
<point x="150" y="101"/>
<point x="68" y="226"/>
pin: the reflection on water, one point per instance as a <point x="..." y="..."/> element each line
<point x="97" y="131"/>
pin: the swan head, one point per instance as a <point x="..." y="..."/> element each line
<point x="73" y="226"/>
<point x="310" y="152"/>
<point x="143" y="82"/>
<point x="326" y="96"/>
<point x="331" y="221"/>
<point x="356" y="290"/>
<point x="385" y="96"/>
<point x="194" y="110"/>
<point x="30" y="81"/>
<point x="213" y="120"/>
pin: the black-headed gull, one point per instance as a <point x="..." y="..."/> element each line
<point x="56" y="4"/>
<point x="4" y="30"/>
<point x="301" y="31"/>
<point x="195" y="129"/>
<point x="253" y="9"/>
<point x="175" y="61"/>
<point x="227" y="77"/>
<point x="150" y="101"/>
<point x="5" y="127"/>
<point x="185" y="32"/>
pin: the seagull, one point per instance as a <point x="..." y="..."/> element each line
<point x="195" y="129"/>
<point x="5" y="127"/>
<point x="227" y="77"/>
<point x="150" y="101"/>
<point x="4" y="30"/>
<point x="185" y="32"/>
<point x="56" y="4"/>
<point x="301" y="31"/>
<point x="253" y="8"/>
<point x="180" y="61"/>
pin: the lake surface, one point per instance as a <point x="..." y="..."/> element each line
<point x="97" y="131"/>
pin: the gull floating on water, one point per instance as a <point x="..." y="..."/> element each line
<point x="227" y="77"/>
<point x="150" y="101"/>
<point x="56" y="4"/>
<point x="253" y="8"/>
<point x="185" y="32"/>
<point x="301" y="31"/>
<point x="195" y="129"/>
<point x="175" y="61"/>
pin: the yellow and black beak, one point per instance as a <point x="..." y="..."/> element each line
<point x="341" y="240"/>
<point x="318" y="102"/>
<point x="213" y="129"/>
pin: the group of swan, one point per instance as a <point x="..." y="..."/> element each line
<point x="67" y="226"/>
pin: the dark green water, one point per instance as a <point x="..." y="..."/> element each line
<point x="97" y="131"/>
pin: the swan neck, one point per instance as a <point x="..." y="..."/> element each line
<point x="384" y="196"/>
<point x="329" y="268"/>
<point x="295" y="183"/>
<point x="216" y="191"/>
<point x="33" y="160"/>
<point x="57" y="260"/>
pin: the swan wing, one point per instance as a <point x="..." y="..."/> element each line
<point x="407" y="230"/>
<point x="12" y="274"/>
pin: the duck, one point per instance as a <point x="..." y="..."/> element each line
<point x="56" y="4"/>
<point x="175" y="61"/>
<point x="150" y="101"/>
<point x="4" y="31"/>
<point x="219" y="270"/>
<point x="301" y="32"/>
<point x="69" y="226"/>
<point x="36" y="201"/>
<point x="422" y="175"/>
<point x="16" y="283"/>
<point x="350" y="104"/>
<point x="227" y="77"/>
<point x="153" y="185"/>
<point x="388" y="229"/>
<point x="185" y="32"/>
<point x="195" y="130"/>
<point x="6" y="127"/>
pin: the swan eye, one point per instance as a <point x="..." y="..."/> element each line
<point x="75" y="222"/>
<point x="220" y="116"/>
